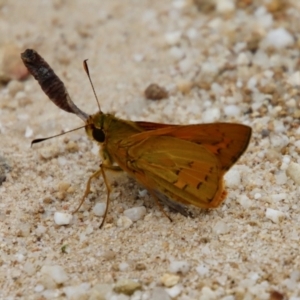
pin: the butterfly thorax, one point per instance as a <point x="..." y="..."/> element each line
<point x="109" y="131"/>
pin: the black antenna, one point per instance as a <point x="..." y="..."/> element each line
<point x="86" y="69"/>
<point x="35" y="141"/>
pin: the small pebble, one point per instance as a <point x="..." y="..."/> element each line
<point x="184" y="86"/>
<point x="243" y="59"/>
<point x="156" y="92"/>
<point x="202" y="270"/>
<point x="14" y="86"/>
<point x="174" y="291"/>
<point x="179" y="267"/>
<point x="28" y="132"/>
<point x="221" y="228"/>
<point x="24" y="230"/>
<point x="211" y="115"/>
<point x="279" y="38"/>
<point x="124" y="222"/>
<point x="49" y="152"/>
<point x="143" y="193"/>
<point x="61" y="218"/>
<point x="233" y="178"/>
<point x="100" y="291"/>
<point x="169" y="280"/>
<point x="99" y="209"/>
<point x="127" y="286"/>
<point x="294" y="79"/>
<point x="160" y="294"/>
<point x="63" y="186"/>
<point x="274" y="215"/>
<point x="57" y="273"/>
<point x="275" y="295"/>
<point x="39" y="288"/>
<point x="72" y="147"/>
<point x="207" y="294"/>
<point x="278" y="197"/>
<point x="244" y="201"/>
<point x="225" y="6"/>
<point x="11" y="66"/>
<point x="173" y="38"/>
<point x="293" y="171"/>
<point x="77" y="292"/>
<point x="135" y="213"/>
<point x="109" y="255"/>
<point x="123" y="266"/>
<point x="176" y="52"/>
<point x="232" y="110"/>
<point x="257" y="196"/>
<point x="29" y="268"/>
<point x="2" y="174"/>
<point x="140" y="266"/>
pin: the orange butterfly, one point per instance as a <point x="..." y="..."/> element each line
<point x="179" y="164"/>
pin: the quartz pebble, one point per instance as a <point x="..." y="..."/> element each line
<point x="207" y="294"/>
<point x="233" y="178"/>
<point x="221" y="228"/>
<point x="293" y="171"/>
<point x="160" y="293"/>
<point x="135" y="213"/>
<point x="101" y="291"/>
<point x="169" y="280"/>
<point x="61" y="218"/>
<point x="57" y="273"/>
<point x="172" y="38"/>
<point x="202" y="270"/>
<point x="225" y="6"/>
<point x="179" y="267"/>
<point x="279" y="38"/>
<point x="77" y="292"/>
<point x="124" y="222"/>
<point x="174" y="291"/>
<point x="14" y="87"/>
<point x="99" y="209"/>
<point x="274" y="215"/>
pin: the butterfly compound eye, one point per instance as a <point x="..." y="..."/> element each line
<point x="98" y="135"/>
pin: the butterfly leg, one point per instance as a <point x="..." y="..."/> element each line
<point x="110" y="168"/>
<point x="87" y="189"/>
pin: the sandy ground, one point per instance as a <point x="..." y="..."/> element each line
<point x="219" y="63"/>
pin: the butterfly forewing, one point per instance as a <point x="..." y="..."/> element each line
<point x="227" y="141"/>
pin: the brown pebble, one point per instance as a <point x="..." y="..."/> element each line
<point x="47" y="200"/>
<point x="274" y="295"/>
<point x="11" y="65"/>
<point x="184" y="86"/>
<point x="127" y="286"/>
<point x="72" y="146"/>
<point x="4" y="168"/>
<point x="109" y="255"/>
<point x="2" y="174"/>
<point x="205" y="6"/>
<point x="63" y="186"/>
<point x="275" y="5"/>
<point x="61" y="195"/>
<point x="140" y="267"/>
<point x="156" y="92"/>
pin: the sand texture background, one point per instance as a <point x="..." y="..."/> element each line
<point x="221" y="61"/>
